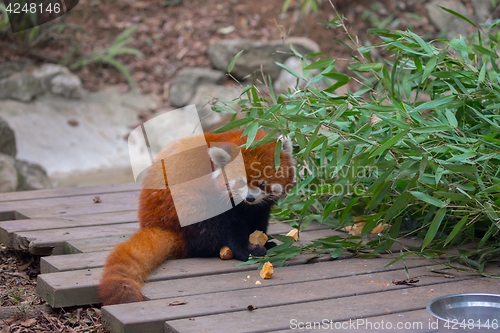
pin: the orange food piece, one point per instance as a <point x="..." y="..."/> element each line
<point x="225" y="253"/>
<point x="267" y="271"/>
<point x="379" y="228"/>
<point x="258" y="238"/>
<point x="294" y="233"/>
<point x="356" y="229"/>
<point x="359" y="223"/>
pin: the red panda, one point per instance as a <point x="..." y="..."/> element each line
<point x="161" y="235"/>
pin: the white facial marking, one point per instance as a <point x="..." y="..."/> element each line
<point x="277" y="189"/>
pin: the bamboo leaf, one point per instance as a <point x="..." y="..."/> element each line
<point x="456" y="230"/>
<point x="434" y="227"/>
<point x="230" y="67"/>
<point x="233" y="124"/>
<point x="427" y="198"/>
<point x="388" y="143"/>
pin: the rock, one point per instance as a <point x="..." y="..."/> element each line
<point x="67" y="85"/>
<point x="184" y="86"/>
<point x="58" y="80"/>
<point x="7" y="139"/>
<point x="20" y="86"/>
<point x="168" y="3"/>
<point x="75" y="141"/>
<point x="205" y="96"/>
<point x="31" y="176"/>
<point x="24" y="86"/>
<point x="12" y="67"/>
<point x="482" y="10"/>
<point x="8" y="174"/>
<point x="444" y="21"/>
<point x="256" y="55"/>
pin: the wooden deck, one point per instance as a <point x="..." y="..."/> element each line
<point x="211" y="295"/>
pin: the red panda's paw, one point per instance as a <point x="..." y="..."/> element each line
<point x="270" y="245"/>
<point x="257" y="250"/>
<point x="119" y="291"/>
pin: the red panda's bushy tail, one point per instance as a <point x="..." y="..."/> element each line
<point x="130" y="263"/>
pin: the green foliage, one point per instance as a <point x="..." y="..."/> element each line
<point x="307" y="5"/>
<point x="417" y="146"/>
<point x="108" y="55"/>
<point x="13" y="296"/>
<point x="4" y="19"/>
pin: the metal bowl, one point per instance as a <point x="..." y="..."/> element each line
<point x="467" y="312"/>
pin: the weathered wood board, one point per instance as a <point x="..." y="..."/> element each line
<point x="215" y="295"/>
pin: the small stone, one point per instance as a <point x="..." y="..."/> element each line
<point x="8" y="174"/>
<point x="22" y="87"/>
<point x="31" y="176"/>
<point x="7" y="139"/>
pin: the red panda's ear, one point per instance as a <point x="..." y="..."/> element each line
<point x="219" y="157"/>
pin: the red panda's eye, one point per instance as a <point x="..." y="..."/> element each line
<point x="262" y="185"/>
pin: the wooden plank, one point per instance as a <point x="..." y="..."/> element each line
<point x="56" y="238"/>
<point x="8" y="228"/>
<point x="96" y="244"/>
<point x="73" y="205"/>
<point x="288" y="275"/>
<point x="68" y="262"/>
<point x="78" y="261"/>
<point x="69" y="209"/>
<point x="68" y="192"/>
<point x="78" y="287"/>
<point x="119" y="317"/>
<point x="416" y="321"/>
<point x="275" y="318"/>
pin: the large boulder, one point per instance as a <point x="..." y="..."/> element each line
<point x="31" y="176"/>
<point x="185" y="84"/>
<point x="257" y="56"/>
<point x="7" y="139"/>
<point x="8" y="174"/>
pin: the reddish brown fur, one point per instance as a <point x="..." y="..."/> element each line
<point x="161" y="236"/>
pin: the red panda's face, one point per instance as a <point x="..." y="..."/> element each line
<point x="257" y="180"/>
<point x="264" y="182"/>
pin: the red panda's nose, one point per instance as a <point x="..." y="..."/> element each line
<point x="250" y="198"/>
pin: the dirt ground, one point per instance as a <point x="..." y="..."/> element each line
<point x="175" y="37"/>
<point x="170" y="38"/>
